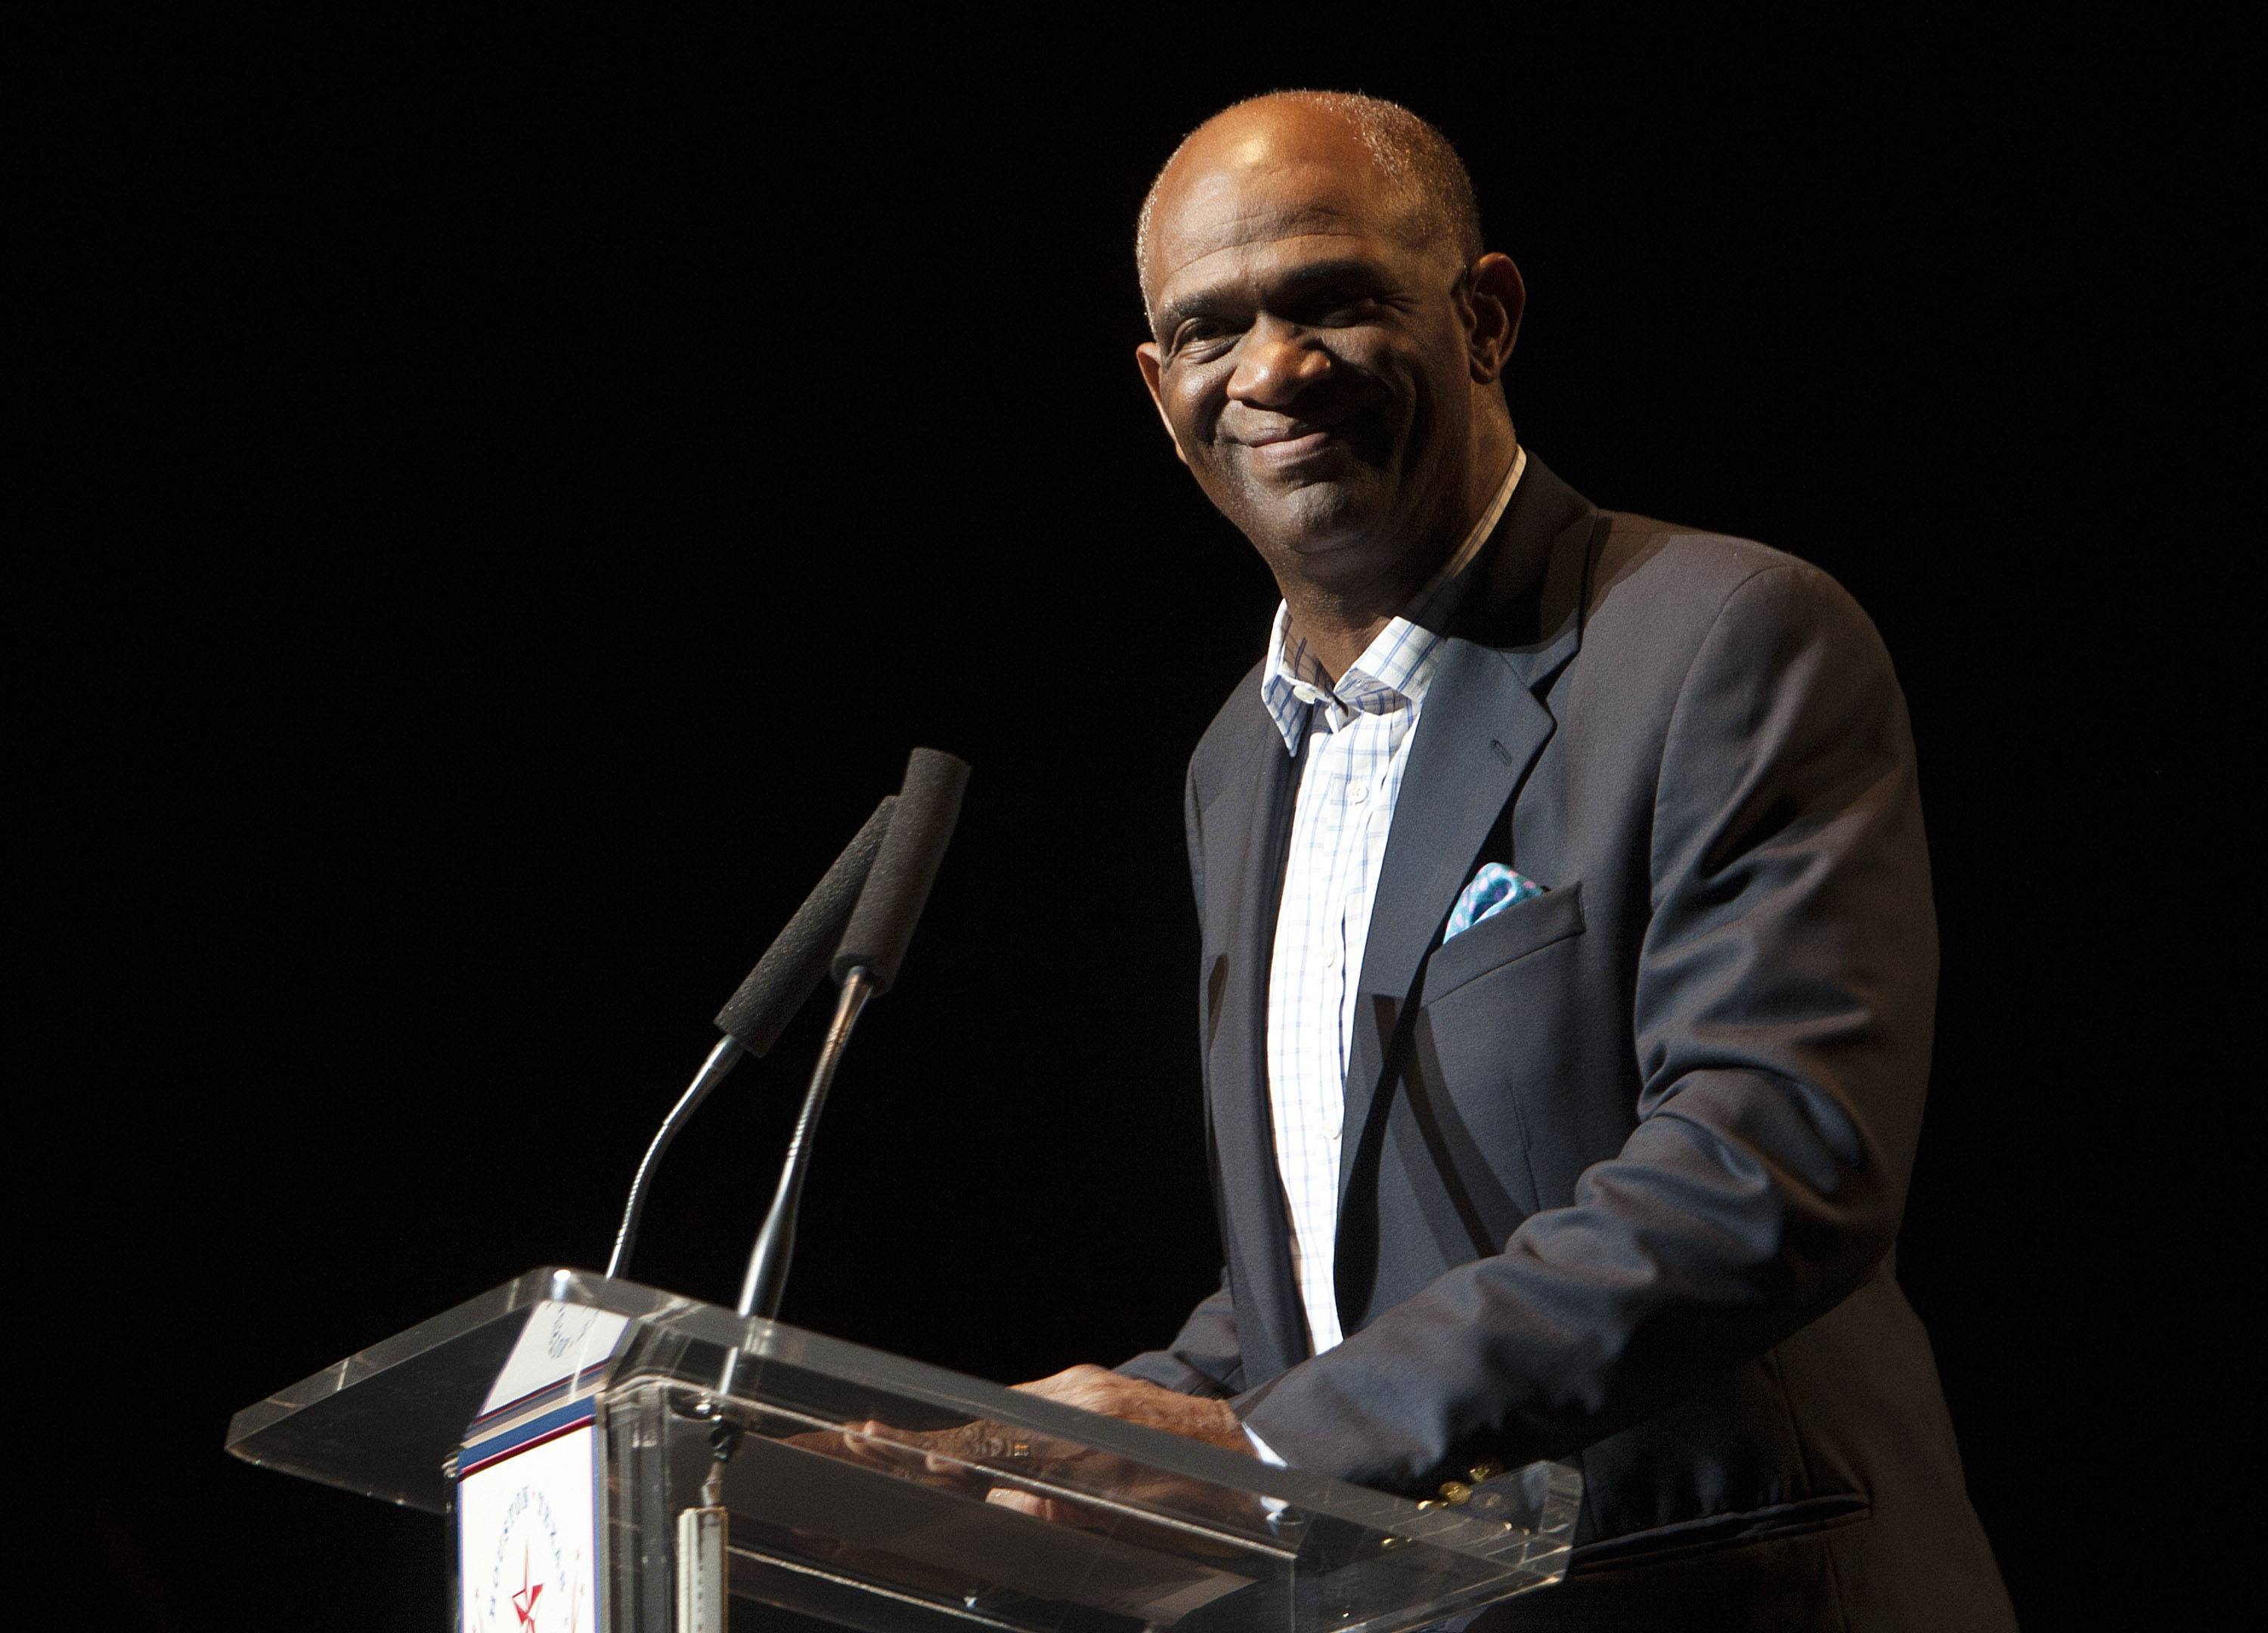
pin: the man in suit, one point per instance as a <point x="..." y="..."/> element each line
<point x="1568" y="957"/>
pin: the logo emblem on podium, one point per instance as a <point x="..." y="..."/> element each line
<point x="528" y="1533"/>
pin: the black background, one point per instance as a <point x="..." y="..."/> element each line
<point x="513" y="501"/>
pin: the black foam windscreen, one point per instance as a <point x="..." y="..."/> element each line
<point x="904" y="869"/>
<point x="792" y="966"/>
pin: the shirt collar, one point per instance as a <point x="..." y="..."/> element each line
<point x="1396" y="667"/>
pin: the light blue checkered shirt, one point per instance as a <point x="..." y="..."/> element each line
<point x="1360" y="731"/>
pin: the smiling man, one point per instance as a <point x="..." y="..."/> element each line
<point x="1328" y="337"/>
<point x="1568" y="960"/>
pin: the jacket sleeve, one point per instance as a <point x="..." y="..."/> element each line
<point x="1203" y="1359"/>
<point x="1784" y="995"/>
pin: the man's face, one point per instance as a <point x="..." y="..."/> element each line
<point x="1313" y="365"/>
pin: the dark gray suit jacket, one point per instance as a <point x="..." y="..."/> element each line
<point x="1624" y="1163"/>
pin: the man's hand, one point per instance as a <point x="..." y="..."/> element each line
<point x="973" y="1458"/>
<point x="1097" y="1389"/>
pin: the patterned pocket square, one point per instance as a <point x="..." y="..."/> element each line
<point x="1494" y="888"/>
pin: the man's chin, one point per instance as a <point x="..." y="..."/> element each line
<point x="1315" y="517"/>
<point x="1316" y="527"/>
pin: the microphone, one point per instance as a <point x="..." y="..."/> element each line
<point x="929" y="804"/>
<point x="866" y="963"/>
<point x="753" y="1019"/>
<point x="790" y="969"/>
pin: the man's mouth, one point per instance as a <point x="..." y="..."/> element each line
<point x="1277" y="451"/>
<point x="1278" y="447"/>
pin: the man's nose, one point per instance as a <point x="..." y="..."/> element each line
<point x="1277" y="362"/>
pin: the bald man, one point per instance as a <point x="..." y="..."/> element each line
<point x="1568" y="959"/>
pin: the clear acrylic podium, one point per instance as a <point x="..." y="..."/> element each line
<point x="863" y="1490"/>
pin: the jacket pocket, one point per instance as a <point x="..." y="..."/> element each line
<point x="1523" y="927"/>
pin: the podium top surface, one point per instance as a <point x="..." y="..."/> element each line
<point x="388" y="1421"/>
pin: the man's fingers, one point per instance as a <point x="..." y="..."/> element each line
<point x="1092" y="1389"/>
<point x="1050" y="1509"/>
<point x="865" y="1444"/>
<point x="1072" y="1386"/>
<point x="1098" y="1389"/>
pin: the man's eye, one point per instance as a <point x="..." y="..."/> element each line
<point x="1199" y="337"/>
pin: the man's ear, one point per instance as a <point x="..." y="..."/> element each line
<point x="1496" y="296"/>
<point x="1147" y="359"/>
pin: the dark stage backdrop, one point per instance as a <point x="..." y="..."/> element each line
<point x="520" y="502"/>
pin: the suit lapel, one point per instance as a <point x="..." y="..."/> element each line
<point x="1246" y="828"/>
<point x="1480" y="732"/>
<point x="1483" y="725"/>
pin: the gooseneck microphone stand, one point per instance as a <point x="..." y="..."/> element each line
<point x="866" y="964"/>
<point x="721" y="1060"/>
<point x="767" y="1261"/>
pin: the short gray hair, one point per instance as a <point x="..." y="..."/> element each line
<point x="1417" y="160"/>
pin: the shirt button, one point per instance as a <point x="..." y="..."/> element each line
<point x="1330" y="958"/>
<point x="1359" y="793"/>
<point x="1333" y="1136"/>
